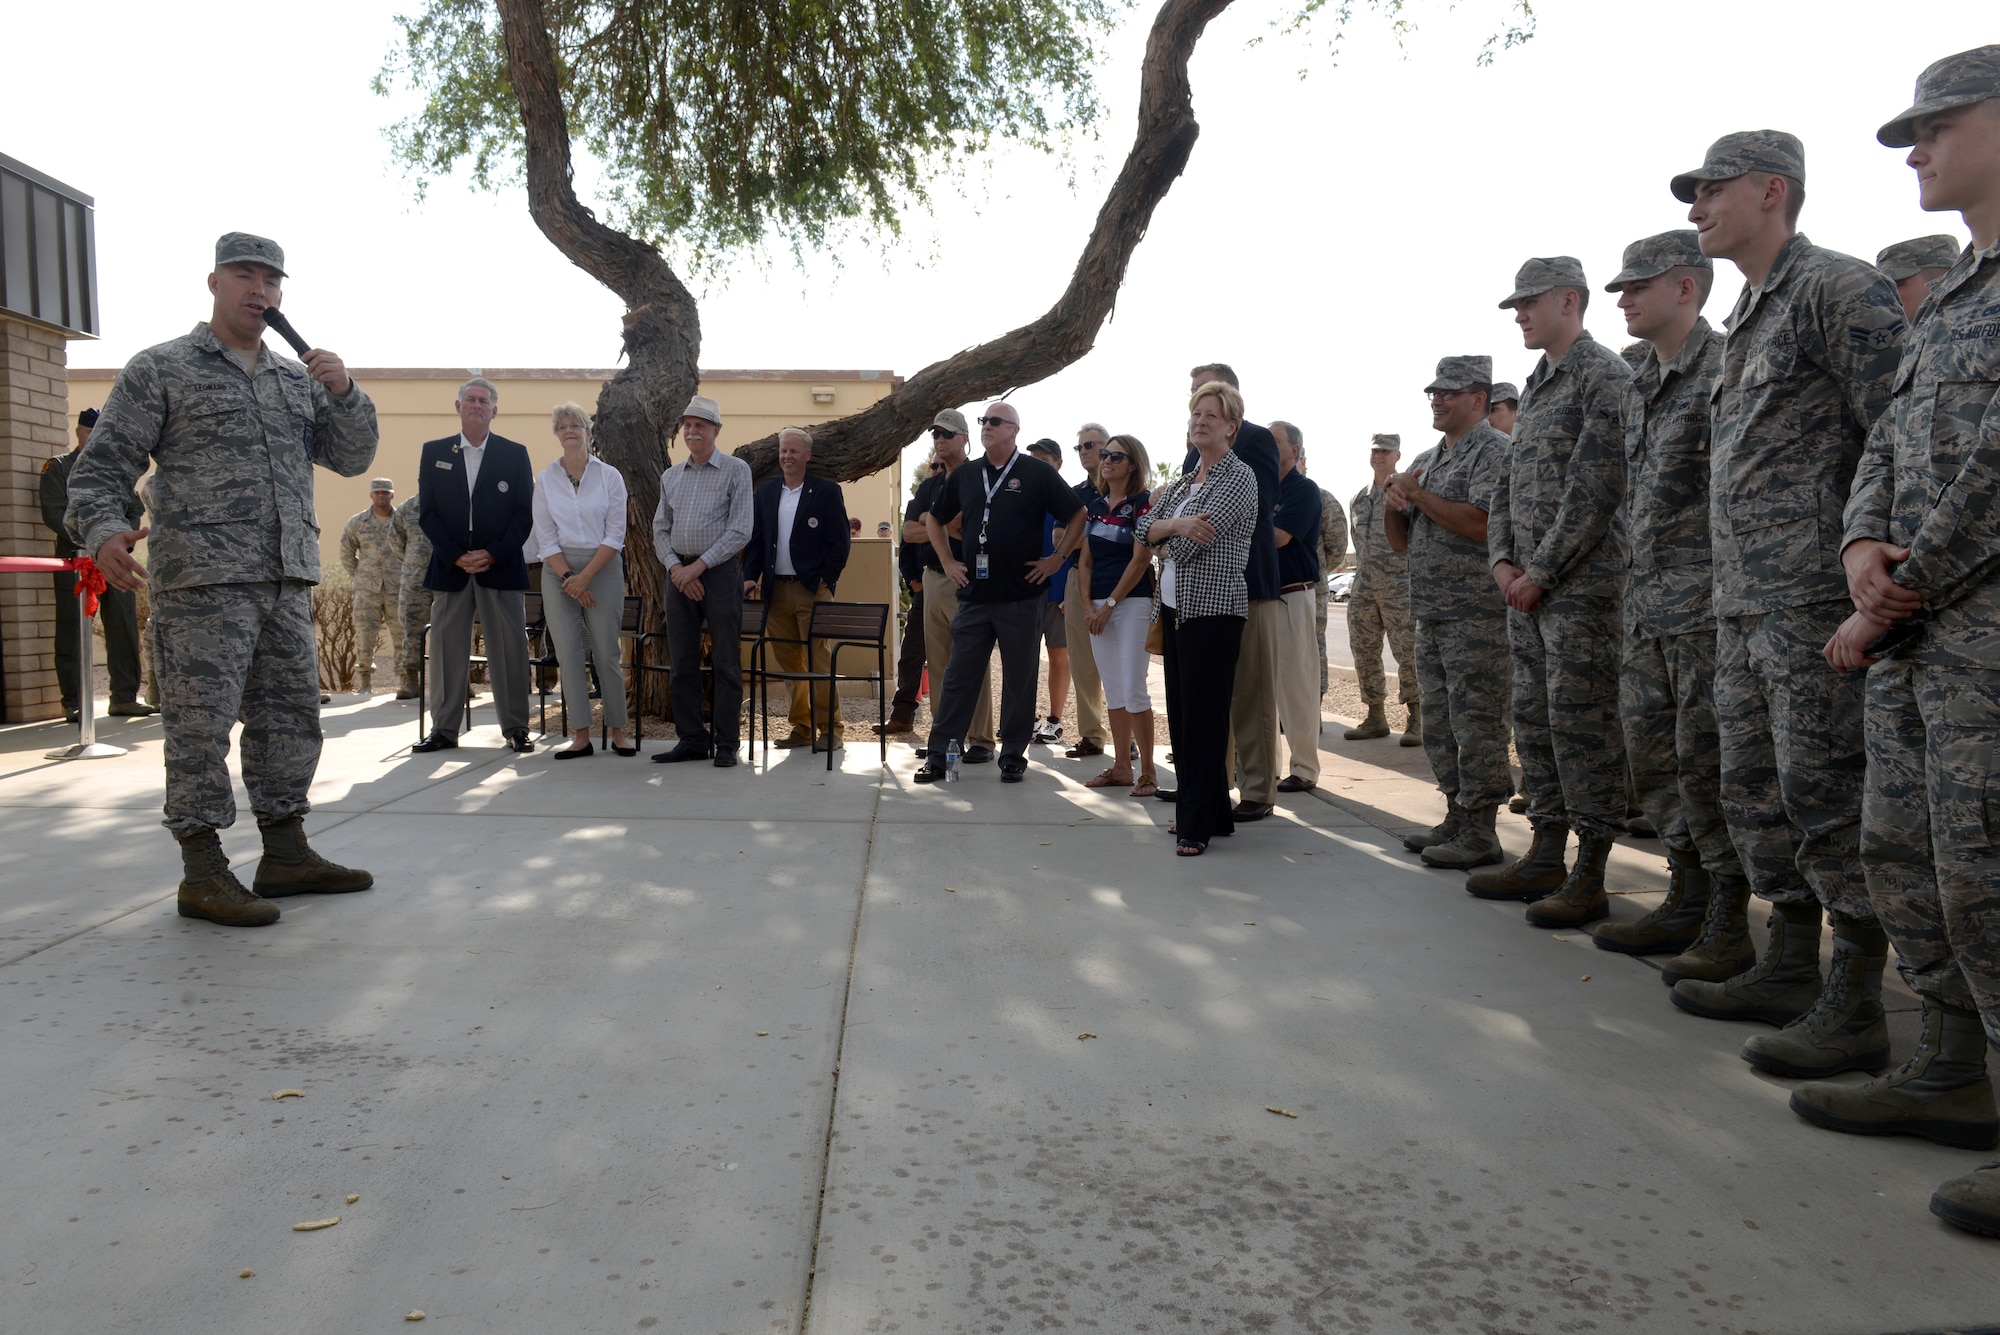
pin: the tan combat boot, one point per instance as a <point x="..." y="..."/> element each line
<point x="1533" y="874"/>
<point x="1846" y="1029"/>
<point x="406" y="689"/>
<point x="1413" y="727"/>
<point x="367" y="684"/>
<point x="1780" y="988"/>
<point x="1475" y="845"/>
<point x="1971" y="1202"/>
<point x="210" y="890"/>
<point x="1581" y="898"/>
<point x="1941" y="1093"/>
<point x="1375" y="725"/>
<point x="1671" y="927"/>
<point x="1443" y="832"/>
<point x="1723" y="949"/>
<point x="289" y="867"/>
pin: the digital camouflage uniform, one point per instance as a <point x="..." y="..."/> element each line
<point x="1667" y="690"/>
<point x="1461" y="626"/>
<point x="233" y="556"/>
<point x="1807" y="368"/>
<point x="1332" y="555"/>
<point x="1379" y="604"/>
<point x="413" y="601"/>
<point x="368" y="553"/>
<point x="1927" y="482"/>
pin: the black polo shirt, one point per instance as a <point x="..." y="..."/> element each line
<point x="927" y="494"/>
<point x="1299" y="513"/>
<point x="1030" y="490"/>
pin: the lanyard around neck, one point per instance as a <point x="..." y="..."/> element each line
<point x="992" y="488"/>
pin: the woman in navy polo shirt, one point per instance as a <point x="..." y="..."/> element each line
<point x="1118" y="570"/>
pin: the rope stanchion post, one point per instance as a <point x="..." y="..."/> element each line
<point x="90" y="583"/>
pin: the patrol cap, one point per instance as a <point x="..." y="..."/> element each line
<point x="1956" y="81"/>
<point x="1385" y="441"/>
<point x="1047" y="448"/>
<point x="1461" y="373"/>
<point x="1504" y="392"/>
<point x="380" y="484"/>
<point x="703" y="407"/>
<point x="952" y="420"/>
<point x="1745" y="151"/>
<point x="1539" y="275"/>
<point x="1906" y="258"/>
<point x="1656" y="254"/>
<point x="243" y="248"/>
<point x="88" y="417"/>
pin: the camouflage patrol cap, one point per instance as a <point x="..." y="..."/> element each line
<point x="1656" y="254"/>
<point x="1461" y="373"/>
<point x="1734" y="155"/>
<point x="1907" y="258"/>
<point x="1504" y="392"/>
<point x="1381" y="441"/>
<point x="1539" y="275"/>
<point x="243" y="248"/>
<point x="380" y="484"/>
<point x="1956" y="81"/>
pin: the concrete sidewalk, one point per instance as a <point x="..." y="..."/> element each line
<point x="620" y="1046"/>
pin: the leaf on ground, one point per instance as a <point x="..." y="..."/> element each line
<point x="1085" y="1034"/>
<point x="1585" y="978"/>
<point x="289" y="1094"/>
<point x="313" y="1225"/>
<point x="1280" y="1111"/>
<point x="246" y="1274"/>
<point x="352" y="1198"/>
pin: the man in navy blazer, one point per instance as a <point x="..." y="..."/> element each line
<point x="799" y="544"/>
<point x="475" y="502"/>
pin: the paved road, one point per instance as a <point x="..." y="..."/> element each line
<point x="1337" y="648"/>
<point x="617" y="1046"/>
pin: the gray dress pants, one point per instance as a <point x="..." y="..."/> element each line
<point x="502" y="614"/>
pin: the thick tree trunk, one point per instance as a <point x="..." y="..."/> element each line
<point x="639" y="410"/>
<point x="868" y="441"/>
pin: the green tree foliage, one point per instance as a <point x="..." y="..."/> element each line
<point x="719" y="127"/>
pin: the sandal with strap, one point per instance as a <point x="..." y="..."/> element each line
<point x="1190" y="848"/>
<point x="1148" y="786"/>
<point x="1108" y="779"/>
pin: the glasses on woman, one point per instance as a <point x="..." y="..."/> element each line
<point x="1111" y="457"/>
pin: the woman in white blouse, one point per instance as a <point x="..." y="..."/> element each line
<point x="579" y="535"/>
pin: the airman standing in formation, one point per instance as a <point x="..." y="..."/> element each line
<point x="369" y="554"/>
<point x="1505" y="408"/>
<point x="1333" y="540"/>
<point x="1378" y="604"/>
<point x="413" y="601"/>
<point x="1914" y="265"/>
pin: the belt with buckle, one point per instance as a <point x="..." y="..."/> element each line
<point x="1294" y="588"/>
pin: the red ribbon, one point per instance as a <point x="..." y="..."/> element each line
<point x="90" y="583"/>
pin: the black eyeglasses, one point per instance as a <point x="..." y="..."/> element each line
<point x="1111" y="457"/>
<point x="939" y="433"/>
<point x="937" y="467"/>
<point x="998" y="421"/>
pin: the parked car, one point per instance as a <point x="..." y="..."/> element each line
<point x="1339" y="585"/>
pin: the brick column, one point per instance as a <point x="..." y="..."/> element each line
<point x="34" y="409"/>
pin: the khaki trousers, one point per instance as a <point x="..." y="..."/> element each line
<point x="1253" y="706"/>
<point x="789" y="617"/>
<point x="1083" y="673"/>
<point x="1298" y="684"/>
<point x="940" y="606"/>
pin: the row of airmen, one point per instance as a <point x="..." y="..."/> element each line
<point x="1755" y="575"/>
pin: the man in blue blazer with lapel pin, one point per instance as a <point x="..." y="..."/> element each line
<point x="475" y="502"/>
<point x="799" y="544"/>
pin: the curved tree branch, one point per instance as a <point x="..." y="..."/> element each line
<point x="868" y="441"/>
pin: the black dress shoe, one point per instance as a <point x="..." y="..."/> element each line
<point x="1251" y="810"/>
<point x="576" y="752"/>
<point x="1084" y="749"/>
<point x="930" y="774"/>
<point x="977" y="755"/>
<point x="1167" y="794"/>
<point x="1013" y="771"/>
<point x="520" y="741"/>
<point x="437" y="741"/>
<point x="684" y="751"/>
<point x="1292" y="783"/>
<point x="724" y="759"/>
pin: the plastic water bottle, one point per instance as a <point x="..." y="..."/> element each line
<point x="951" y="761"/>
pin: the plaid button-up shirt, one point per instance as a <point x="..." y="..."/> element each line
<point x="704" y="512"/>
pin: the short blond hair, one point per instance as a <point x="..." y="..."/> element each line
<point x="568" y="412"/>
<point x="798" y="431"/>
<point x="1226" y="397"/>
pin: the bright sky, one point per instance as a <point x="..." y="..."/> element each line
<point x="1331" y="238"/>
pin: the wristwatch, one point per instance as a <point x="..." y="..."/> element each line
<point x="1111" y="602"/>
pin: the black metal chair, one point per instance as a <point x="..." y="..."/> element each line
<point x="842" y="626"/>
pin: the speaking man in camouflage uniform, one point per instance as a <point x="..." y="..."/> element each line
<point x="1378" y="605"/>
<point x="368" y="553"/>
<point x="412" y="551"/>
<point x="1557" y="544"/>
<point x="1505" y="408"/>
<point x="1914" y="265"/>
<point x="1438" y="513"/>
<point x="1922" y="537"/>
<point x="1806" y="369"/>
<point x="1667" y="688"/>
<point x="233" y="431"/>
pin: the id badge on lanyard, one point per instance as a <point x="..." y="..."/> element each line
<point x="982" y="565"/>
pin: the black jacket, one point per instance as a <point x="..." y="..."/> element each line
<point x="820" y="540"/>
<point x="499" y="518"/>
<point x="1256" y="446"/>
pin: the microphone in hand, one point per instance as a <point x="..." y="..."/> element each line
<point x="283" y="328"/>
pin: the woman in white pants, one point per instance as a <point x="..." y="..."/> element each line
<point x="1118" y="571"/>
<point x="579" y="535"/>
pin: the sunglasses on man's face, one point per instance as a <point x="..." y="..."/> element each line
<point x="998" y="421"/>
<point x="1111" y="457"/>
